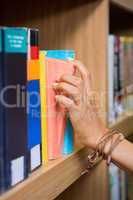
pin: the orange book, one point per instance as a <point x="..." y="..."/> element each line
<point x="33" y="114"/>
<point x="56" y="116"/>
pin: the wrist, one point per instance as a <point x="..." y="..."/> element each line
<point x="108" y="145"/>
<point x="100" y="133"/>
<point x="105" y="147"/>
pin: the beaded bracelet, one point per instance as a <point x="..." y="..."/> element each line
<point x="109" y="139"/>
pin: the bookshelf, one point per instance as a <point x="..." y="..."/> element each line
<point x="82" y="25"/>
<point x="124" y="124"/>
<point x="121" y="23"/>
<point x="121" y="17"/>
<point x="125" y="4"/>
<point x="54" y="178"/>
<point x="49" y="181"/>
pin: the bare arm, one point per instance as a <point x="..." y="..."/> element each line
<point x="74" y="93"/>
<point x="122" y="155"/>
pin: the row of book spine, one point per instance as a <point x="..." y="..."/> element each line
<point x="33" y="128"/>
<point x="120" y="73"/>
<point x="118" y="183"/>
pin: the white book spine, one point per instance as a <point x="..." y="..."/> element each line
<point x="114" y="176"/>
<point x="111" y="41"/>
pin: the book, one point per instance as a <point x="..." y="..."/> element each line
<point x="123" y="184"/>
<point x="114" y="180"/>
<point x="33" y="103"/>
<point x="33" y="115"/>
<point x="128" y="73"/>
<point x="122" y="62"/>
<point x="43" y="107"/>
<point x="117" y="79"/>
<point x="68" y="145"/>
<point x="111" y="112"/>
<point x="13" y="131"/>
<point x="33" y="44"/>
<point x="129" y="186"/>
<point x="122" y="91"/>
<point x="118" y="183"/>
<point x="56" y="116"/>
<point x="120" y="73"/>
<point x="60" y="54"/>
<point x="2" y="179"/>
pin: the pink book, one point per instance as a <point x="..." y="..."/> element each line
<point x="56" y="116"/>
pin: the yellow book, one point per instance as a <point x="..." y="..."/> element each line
<point x="43" y="106"/>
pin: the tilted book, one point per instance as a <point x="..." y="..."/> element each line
<point x="68" y="145"/>
<point x="56" y="115"/>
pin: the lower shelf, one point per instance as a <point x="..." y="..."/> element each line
<point x="124" y="124"/>
<point x="51" y="180"/>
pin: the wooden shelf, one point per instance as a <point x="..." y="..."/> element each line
<point x="48" y="182"/>
<point x="121" y="17"/>
<point x="124" y="124"/>
<point x="125" y="4"/>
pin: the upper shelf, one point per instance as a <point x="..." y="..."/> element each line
<point x="121" y="17"/>
<point x="51" y="180"/>
<point x="124" y="124"/>
<point x="125" y="4"/>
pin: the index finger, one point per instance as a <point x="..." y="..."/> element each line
<point x="81" y="68"/>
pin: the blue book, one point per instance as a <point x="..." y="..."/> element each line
<point x="1" y="126"/>
<point x="13" y="117"/>
<point x="33" y="106"/>
<point x="68" y="145"/>
<point x="60" y="54"/>
<point x="34" y="125"/>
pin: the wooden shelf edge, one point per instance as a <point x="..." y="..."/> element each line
<point x="124" y="124"/>
<point x="48" y="182"/>
<point x="124" y="4"/>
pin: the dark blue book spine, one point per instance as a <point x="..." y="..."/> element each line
<point x="1" y="121"/>
<point x="14" y="77"/>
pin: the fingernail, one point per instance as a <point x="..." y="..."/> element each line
<point x="57" y="96"/>
<point x="55" y="84"/>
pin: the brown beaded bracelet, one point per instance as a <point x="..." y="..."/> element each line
<point x="109" y="139"/>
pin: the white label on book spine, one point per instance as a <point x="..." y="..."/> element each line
<point x="17" y="170"/>
<point x="35" y="157"/>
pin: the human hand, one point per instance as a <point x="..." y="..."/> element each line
<point x="76" y="95"/>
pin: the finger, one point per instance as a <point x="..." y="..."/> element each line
<point x="81" y="68"/>
<point x="73" y="80"/>
<point x="65" y="101"/>
<point x="68" y="89"/>
<point x="87" y="83"/>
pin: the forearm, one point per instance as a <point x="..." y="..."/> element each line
<point x="123" y="155"/>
